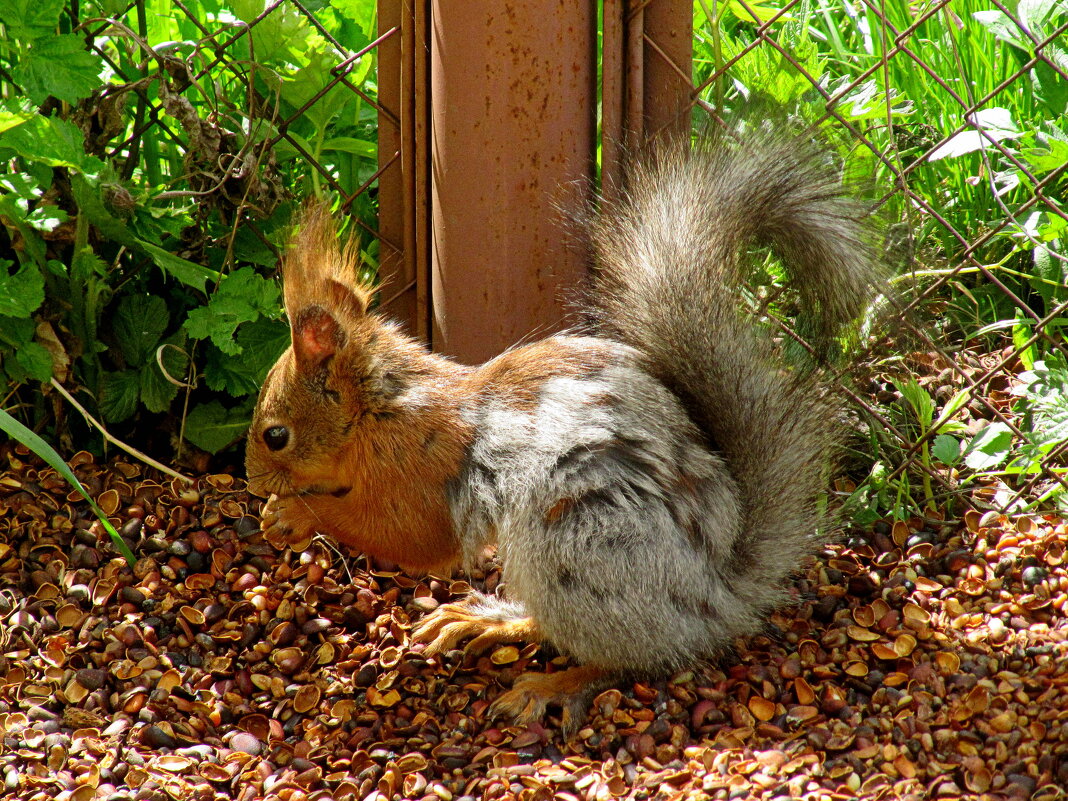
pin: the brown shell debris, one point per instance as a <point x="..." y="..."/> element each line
<point x="920" y="662"/>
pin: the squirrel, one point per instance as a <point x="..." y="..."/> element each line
<point x="650" y="484"/>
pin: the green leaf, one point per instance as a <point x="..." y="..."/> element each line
<point x="1001" y="25"/>
<point x="157" y="392"/>
<point x="350" y="144"/>
<point x="1021" y="333"/>
<point x="1051" y="88"/>
<point x="59" y="67"/>
<point x="119" y="391"/>
<point x="211" y="426"/>
<point x="27" y="20"/>
<point x="919" y="399"/>
<point x="992" y="124"/>
<point x="242" y="296"/>
<point x="1044" y="401"/>
<point x="262" y="342"/>
<point x="9" y="119"/>
<point x="54" y="142"/>
<point x="23" y="359"/>
<point x="87" y="196"/>
<point x="13" y="428"/>
<point x="946" y="449"/>
<point x="35" y="360"/>
<point x="139" y="323"/>
<point x="21" y="293"/>
<point x="989" y="448"/>
<point x="951" y="408"/>
<point x="189" y="273"/>
<point x="306" y="84"/>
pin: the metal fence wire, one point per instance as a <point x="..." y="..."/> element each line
<point x="957" y="106"/>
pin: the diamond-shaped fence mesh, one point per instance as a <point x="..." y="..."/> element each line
<point x="249" y="103"/>
<point x="957" y="108"/>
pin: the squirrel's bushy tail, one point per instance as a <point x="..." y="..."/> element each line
<point x="671" y="255"/>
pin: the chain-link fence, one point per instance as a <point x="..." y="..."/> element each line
<point x="957" y="109"/>
<point x="250" y="101"/>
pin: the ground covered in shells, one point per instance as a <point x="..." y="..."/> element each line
<point x="921" y="661"/>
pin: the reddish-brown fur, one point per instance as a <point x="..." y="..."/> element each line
<point x="377" y="422"/>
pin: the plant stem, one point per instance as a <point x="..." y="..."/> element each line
<point x="114" y="440"/>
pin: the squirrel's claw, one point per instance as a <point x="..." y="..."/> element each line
<point x="451" y="623"/>
<point x="573" y="690"/>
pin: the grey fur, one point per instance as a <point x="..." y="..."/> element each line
<point x="651" y="510"/>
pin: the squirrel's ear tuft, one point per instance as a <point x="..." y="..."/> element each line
<point x="318" y="270"/>
<point x="317" y="335"/>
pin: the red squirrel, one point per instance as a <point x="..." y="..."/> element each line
<point x="650" y="486"/>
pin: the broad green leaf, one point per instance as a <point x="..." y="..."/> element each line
<point x="156" y="391"/>
<point x="35" y="360"/>
<point x="119" y="391"/>
<point x="9" y="119"/>
<point x="1021" y="333"/>
<point x="32" y="243"/>
<point x="13" y="428"/>
<point x="27" y="20"/>
<point x="211" y="426"/>
<point x="307" y="83"/>
<point x="54" y="142"/>
<point x="754" y="12"/>
<point x="277" y="34"/>
<point x="242" y="296"/>
<point x="1051" y="155"/>
<point x="139" y="323"/>
<point x="991" y="123"/>
<point x="362" y="12"/>
<point x="946" y="449"/>
<point x="1044" y="401"/>
<point x="15" y="332"/>
<point x="1051" y="88"/>
<point x="189" y="273"/>
<point x="262" y="342"/>
<point x="87" y="196"/>
<point x="1002" y="26"/>
<point x="350" y="144"/>
<point x="21" y="293"/>
<point x="989" y="448"/>
<point x="59" y="66"/>
<point x="951" y="408"/>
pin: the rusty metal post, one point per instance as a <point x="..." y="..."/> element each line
<point x="646" y="84"/>
<point x="613" y="89"/>
<point x="668" y="73"/>
<point x="395" y="271"/>
<point x="512" y="106"/>
<point x="403" y="187"/>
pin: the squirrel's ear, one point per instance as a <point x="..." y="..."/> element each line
<point x="350" y="300"/>
<point x="317" y="335"/>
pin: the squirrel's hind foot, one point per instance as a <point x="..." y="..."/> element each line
<point x="572" y="689"/>
<point x="489" y="621"/>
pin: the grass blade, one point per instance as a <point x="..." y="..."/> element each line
<point x="18" y="431"/>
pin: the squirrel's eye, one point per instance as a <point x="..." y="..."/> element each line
<point x="276" y="437"/>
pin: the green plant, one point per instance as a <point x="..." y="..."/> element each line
<point x="152" y="158"/>
<point x="965" y="105"/>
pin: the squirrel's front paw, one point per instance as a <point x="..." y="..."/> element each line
<point x="277" y="529"/>
<point x="488" y="620"/>
<point x="573" y="690"/>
